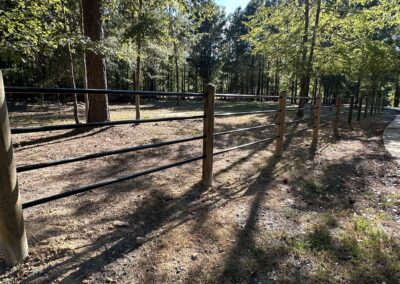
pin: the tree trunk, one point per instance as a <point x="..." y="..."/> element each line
<point x="397" y="93"/>
<point x="176" y="70"/>
<point x="138" y="62"/>
<point x="305" y="78"/>
<point x="71" y="64"/>
<point x="95" y="63"/>
<point x="85" y="84"/>
<point x="73" y="85"/>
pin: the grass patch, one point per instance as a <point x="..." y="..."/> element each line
<point x="320" y="238"/>
<point x="391" y="200"/>
<point x="330" y="220"/>
<point x="313" y="186"/>
<point x="253" y="260"/>
<point x="360" y="252"/>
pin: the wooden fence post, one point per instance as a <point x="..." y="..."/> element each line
<point x="208" y="132"/>
<point x="12" y="230"/>
<point x="337" y="116"/>
<point x="360" y="100"/>
<point x="317" y="118"/>
<point x="280" y="124"/>
<point x="350" y="117"/>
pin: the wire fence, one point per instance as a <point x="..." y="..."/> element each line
<point x="316" y="108"/>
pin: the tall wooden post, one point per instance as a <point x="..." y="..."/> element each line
<point x="360" y="101"/>
<point x="12" y="230"/>
<point x="350" y="117"/>
<point x="208" y="132"/>
<point x="337" y="116"/>
<point x="317" y="118"/>
<point x="280" y="124"/>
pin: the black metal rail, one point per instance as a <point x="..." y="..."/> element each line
<point x="104" y="183"/>
<point x="292" y="98"/>
<point x="325" y="123"/>
<point x="31" y="90"/>
<point x="243" y="146"/>
<point x="297" y="131"/>
<point x="244" y="113"/>
<point x="99" y="124"/>
<point x="243" y="129"/>
<point x="26" y="168"/>
<point x="327" y="115"/>
<point x="244" y="96"/>
<point x="300" y="120"/>
<point x="301" y="108"/>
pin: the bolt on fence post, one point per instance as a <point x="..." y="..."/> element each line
<point x="350" y="117"/>
<point x="208" y="132"/>
<point x="317" y="118"/>
<point x="12" y="230"/>
<point x="280" y="124"/>
<point x="337" y="116"/>
<point x="360" y="100"/>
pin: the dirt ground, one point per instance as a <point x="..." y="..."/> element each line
<point x="325" y="215"/>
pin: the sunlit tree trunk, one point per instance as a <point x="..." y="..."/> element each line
<point x="138" y="61"/>
<point x="84" y="63"/>
<point x="308" y="62"/>
<point x="71" y="64"/>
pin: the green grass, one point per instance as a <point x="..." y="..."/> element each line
<point x="313" y="186"/>
<point x="361" y="250"/>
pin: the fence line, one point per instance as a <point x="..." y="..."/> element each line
<point x="18" y="245"/>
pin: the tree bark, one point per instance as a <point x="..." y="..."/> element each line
<point x="176" y="70"/>
<point x="95" y="63"/>
<point x="306" y="76"/>
<point x="71" y="64"/>
<point x="397" y="93"/>
<point x="85" y="84"/>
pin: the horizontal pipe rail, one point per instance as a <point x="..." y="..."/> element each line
<point x="297" y="131"/>
<point x="301" y="108"/>
<point x="26" y="168"/>
<point x="99" y="124"/>
<point x="30" y="90"/>
<point x="243" y="129"/>
<point x="299" y="120"/>
<point x="325" y="123"/>
<point x="243" y="146"/>
<point x="327" y="115"/>
<point x="104" y="183"/>
<point x="292" y="98"/>
<point x="244" y="96"/>
<point x="243" y="113"/>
